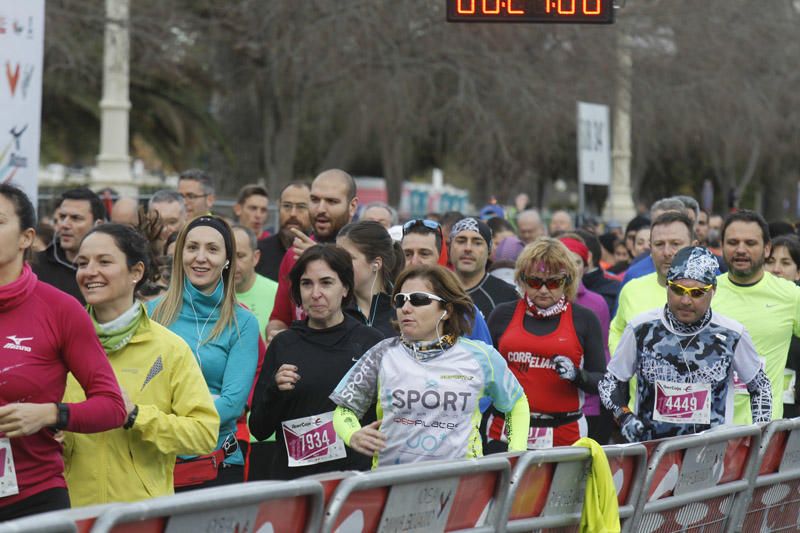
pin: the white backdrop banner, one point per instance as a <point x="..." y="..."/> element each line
<point x="21" y="60"/>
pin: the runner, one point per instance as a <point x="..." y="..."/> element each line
<point x="470" y="245"/>
<point x="305" y="363"/>
<point x="200" y="306"/>
<point x="377" y="260"/>
<point x="768" y="306"/>
<point x="553" y="347"/>
<point x="46" y="334"/>
<point x="170" y="410"/>
<point x="428" y="381"/>
<point x="683" y="356"/>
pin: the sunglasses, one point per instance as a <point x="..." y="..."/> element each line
<point x="430" y="224"/>
<point x="417" y="299"/>
<point x="694" y="292"/>
<point x="536" y="283"/>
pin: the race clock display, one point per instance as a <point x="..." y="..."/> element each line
<point x="542" y="11"/>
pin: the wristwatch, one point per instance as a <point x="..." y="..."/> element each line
<point x="62" y="417"/>
<point x="131" y="418"/>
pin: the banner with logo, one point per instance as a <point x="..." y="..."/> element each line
<point x="21" y="60"/>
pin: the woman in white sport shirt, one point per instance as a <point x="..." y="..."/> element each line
<point x="430" y="380"/>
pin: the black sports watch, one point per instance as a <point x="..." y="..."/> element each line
<point x="131" y="418"/>
<point x="62" y="417"/>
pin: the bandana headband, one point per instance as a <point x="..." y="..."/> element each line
<point x="472" y="224"/>
<point x="222" y="229"/>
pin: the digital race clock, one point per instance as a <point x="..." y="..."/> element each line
<point x="574" y="11"/>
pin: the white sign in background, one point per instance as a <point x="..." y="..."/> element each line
<point x="21" y="61"/>
<point x="594" y="144"/>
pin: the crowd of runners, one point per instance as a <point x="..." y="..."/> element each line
<point x="156" y="348"/>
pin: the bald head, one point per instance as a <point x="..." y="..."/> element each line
<point x="333" y="203"/>
<point x="560" y="222"/>
<point x="336" y="176"/>
<point x="125" y="211"/>
<point x="530" y="226"/>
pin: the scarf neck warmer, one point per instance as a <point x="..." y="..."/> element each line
<point x="424" y="350"/>
<point x="115" y="335"/>
<point x="16" y="292"/>
<point x="556" y="309"/>
<point x="686" y="329"/>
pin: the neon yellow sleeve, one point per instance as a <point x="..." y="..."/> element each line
<point x="345" y="423"/>
<point x="518" y="422"/>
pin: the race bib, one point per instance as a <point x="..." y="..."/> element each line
<point x="8" y="474"/>
<point x="789" y="383"/>
<point x="683" y="403"/>
<point x="540" y="438"/>
<point x="311" y="440"/>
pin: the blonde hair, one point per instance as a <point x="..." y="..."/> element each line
<point x="555" y="257"/>
<point x="168" y="309"/>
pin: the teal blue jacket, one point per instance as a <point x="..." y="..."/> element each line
<point x="228" y="361"/>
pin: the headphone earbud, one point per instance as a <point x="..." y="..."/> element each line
<point x="443" y="315"/>
<point x="375" y="266"/>
<point x="227" y="263"/>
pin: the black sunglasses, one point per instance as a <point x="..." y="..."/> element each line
<point x="430" y="224"/>
<point x="536" y="283"/>
<point x="417" y="299"/>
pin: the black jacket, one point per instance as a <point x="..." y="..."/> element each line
<point x="272" y="252"/>
<point x="323" y="357"/>
<point x="53" y="267"/>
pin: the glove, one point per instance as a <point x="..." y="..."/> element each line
<point x="631" y="427"/>
<point x="565" y="368"/>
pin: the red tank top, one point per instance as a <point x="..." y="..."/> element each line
<point x="530" y="358"/>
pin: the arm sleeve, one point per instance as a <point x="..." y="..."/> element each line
<point x="193" y="425"/>
<point x="480" y="331"/>
<point x="594" y="356"/>
<point x="613" y="388"/>
<point x="265" y="406"/>
<point x="83" y="355"/>
<point x="240" y="370"/>
<point x="760" y="391"/>
<point x="283" y="309"/>
<point x="518" y="422"/>
<point x="501" y="384"/>
<point x="345" y="423"/>
<point x="358" y="389"/>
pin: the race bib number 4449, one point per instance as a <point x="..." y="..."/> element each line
<point x="683" y="403"/>
<point x="311" y="440"/>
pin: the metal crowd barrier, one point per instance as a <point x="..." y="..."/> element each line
<point x="628" y="464"/>
<point x="547" y="488"/>
<point x="774" y="499"/>
<point x="464" y="495"/>
<point x="696" y="482"/>
<point x="733" y="479"/>
<point x="292" y="506"/>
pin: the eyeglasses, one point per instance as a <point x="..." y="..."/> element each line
<point x="417" y="299"/>
<point x="430" y="224"/>
<point x="536" y="283"/>
<point x="694" y="292"/>
<point x="193" y="196"/>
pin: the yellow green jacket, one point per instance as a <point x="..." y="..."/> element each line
<point x="176" y="417"/>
